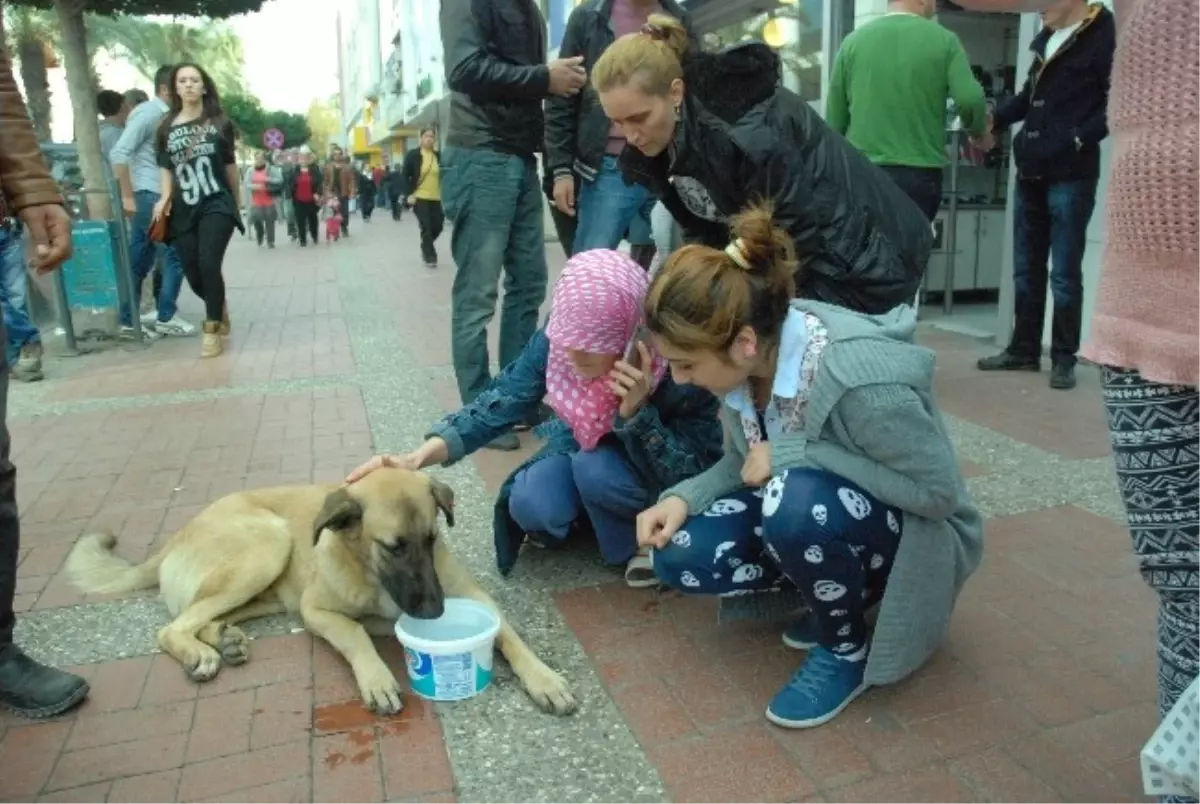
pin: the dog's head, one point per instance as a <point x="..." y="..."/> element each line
<point x="388" y="522"/>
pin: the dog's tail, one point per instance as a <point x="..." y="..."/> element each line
<point x="95" y="569"/>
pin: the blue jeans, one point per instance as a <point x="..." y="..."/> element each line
<point x="1050" y="222"/>
<point x="826" y="535"/>
<point x="141" y="258"/>
<point x="14" y="296"/>
<point x="549" y="495"/>
<point x="494" y="201"/>
<point x="610" y="210"/>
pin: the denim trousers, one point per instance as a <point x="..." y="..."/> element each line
<point x="494" y="202"/>
<point x="610" y="211"/>
<point x="14" y="296"/>
<point x="141" y="257"/>
<point x="1050" y="221"/>
<point x="549" y="495"/>
<point x="826" y="535"/>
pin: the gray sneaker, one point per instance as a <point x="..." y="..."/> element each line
<point x="127" y="333"/>
<point x="29" y="365"/>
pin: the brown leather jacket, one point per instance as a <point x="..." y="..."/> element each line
<point x="348" y="179"/>
<point x="24" y="178"/>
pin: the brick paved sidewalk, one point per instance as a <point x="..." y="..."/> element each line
<point x="1044" y="690"/>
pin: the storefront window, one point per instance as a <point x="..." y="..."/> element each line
<point x="796" y="30"/>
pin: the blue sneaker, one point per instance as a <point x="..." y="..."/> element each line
<point x="804" y="634"/>
<point x="822" y="687"/>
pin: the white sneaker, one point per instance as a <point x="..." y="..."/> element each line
<point x="149" y="319"/>
<point x="176" y="326"/>
<point x="126" y="333"/>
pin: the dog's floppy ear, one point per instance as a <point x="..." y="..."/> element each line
<point x="339" y="511"/>
<point x="443" y="495"/>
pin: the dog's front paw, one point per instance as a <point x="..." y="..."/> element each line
<point x="380" y="691"/>
<point x="549" y="690"/>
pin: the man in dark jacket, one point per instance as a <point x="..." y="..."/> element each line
<point x="582" y="145"/>
<point x="495" y="55"/>
<point x="28" y="192"/>
<point x="1063" y="105"/>
<point x="393" y="182"/>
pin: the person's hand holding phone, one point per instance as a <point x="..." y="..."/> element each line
<point x="629" y="381"/>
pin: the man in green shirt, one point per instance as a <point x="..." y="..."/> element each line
<point x="888" y="92"/>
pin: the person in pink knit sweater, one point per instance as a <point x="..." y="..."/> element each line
<point x="1144" y="332"/>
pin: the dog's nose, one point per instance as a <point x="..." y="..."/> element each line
<point x="429" y="609"/>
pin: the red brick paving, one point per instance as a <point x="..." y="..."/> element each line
<point x="283" y="728"/>
<point x="1043" y="691"/>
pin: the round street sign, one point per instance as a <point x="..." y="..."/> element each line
<point x="273" y="138"/>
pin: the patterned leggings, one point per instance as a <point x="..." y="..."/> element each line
<point x="826" y="535"/>
<point x="1156" y="446"/>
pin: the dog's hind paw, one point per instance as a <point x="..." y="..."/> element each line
<point x="550" y="691"/>
<point x="235" y="645"/>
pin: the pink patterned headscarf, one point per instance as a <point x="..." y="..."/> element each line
<point x="597" y="308"/>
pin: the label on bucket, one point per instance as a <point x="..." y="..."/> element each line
<point x="442" y="677"/>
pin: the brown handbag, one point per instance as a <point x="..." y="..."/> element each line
<point x="157" y="233"/>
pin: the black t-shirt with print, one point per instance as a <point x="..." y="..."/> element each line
<point x="197" y="153"/>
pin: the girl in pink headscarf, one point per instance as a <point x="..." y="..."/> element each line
<point x="623" y="430"/>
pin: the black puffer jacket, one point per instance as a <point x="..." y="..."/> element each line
<point x="863" y="244"/>
<point x="495" y="55"/>
<point x="576" y="126"/>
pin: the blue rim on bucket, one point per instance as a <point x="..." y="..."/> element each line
<point x="450" y="658"/>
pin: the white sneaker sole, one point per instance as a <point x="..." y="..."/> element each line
<point x="796" y="644"/>
<point x="784" y="723"/>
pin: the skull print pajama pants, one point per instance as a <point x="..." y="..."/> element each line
<point x="819" y="531"/>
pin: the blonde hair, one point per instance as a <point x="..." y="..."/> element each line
<point x="703" y="297"/>
<point x="654" y="56"/>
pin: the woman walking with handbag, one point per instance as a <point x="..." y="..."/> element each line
<point x="422" y="175"/>
<point x="195" y="145"/>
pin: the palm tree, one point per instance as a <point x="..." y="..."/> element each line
<point x="148" y="45"/>
<point x="31" y="35"/>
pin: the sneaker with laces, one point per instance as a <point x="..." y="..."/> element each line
<point x="127" y="333"/>
<point x="149" y="319"/>
<point x="822" y="687"/>
<point x="804" y="634"/>
<point x="176" y="326"/>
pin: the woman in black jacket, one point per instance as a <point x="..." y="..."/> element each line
<point x="710" y="133"/>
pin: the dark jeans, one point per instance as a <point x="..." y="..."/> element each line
<point x="202" y="250"/>
<point x="397" y="208"/>
<point x="431" y="219"/>
<point x="141" y="258"/>
<point x="306" y="220"/>
<point x="344" y="208"/>
<point x="922" y="185"/>
<point x="494" y="201"/>
<point x="366" y="205"/>
<point x="1050" y="222"/>
<point x="10" y="525"/>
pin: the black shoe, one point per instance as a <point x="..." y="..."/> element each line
<point x="34" y="690"/>
<point x="1062" y="377"/>
<point x="1007" y="361"/>
<point x="509" y="442"/>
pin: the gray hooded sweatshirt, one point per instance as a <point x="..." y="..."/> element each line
<point x="872" y="419"/>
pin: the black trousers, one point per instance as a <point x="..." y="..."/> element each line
<point x="306" y="220"/>
<point x="431" y="219"/>
<point x="10" y="524"/>
<point x="366" y="205"/>
<point x="397" y="207"/>
<point x="202" y="251"/>
<point x="344" y="208"/>
<point x="922" y="185"/>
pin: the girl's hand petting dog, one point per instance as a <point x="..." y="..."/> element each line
<point x="756" y="471"/>
<point x="631" y="384"/>
<point x="432" y="451"/>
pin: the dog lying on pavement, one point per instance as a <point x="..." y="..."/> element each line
<point x="347" y="559"/>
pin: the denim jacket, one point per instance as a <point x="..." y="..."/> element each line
<point x="674" y="436"/>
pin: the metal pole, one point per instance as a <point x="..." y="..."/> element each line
<point x="64" y="313"/>
<point x="951" y="230"/>
<point x="124" y="263"/>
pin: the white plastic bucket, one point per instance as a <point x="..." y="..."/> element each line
<point x="450" y="658"/>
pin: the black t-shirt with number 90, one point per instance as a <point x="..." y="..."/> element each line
<point x="197" y="154"/>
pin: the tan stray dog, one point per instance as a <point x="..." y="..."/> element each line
<point x="344" y="557"/>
